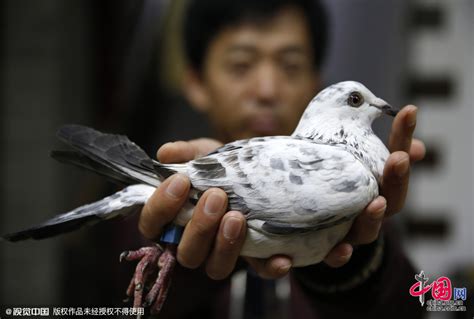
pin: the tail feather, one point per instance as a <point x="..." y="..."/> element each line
<point x="46" y="231"/>
<point x="110" y="155"/>
<point x="122" y="203"/>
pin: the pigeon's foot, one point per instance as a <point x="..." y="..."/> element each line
<point x="152" y="275"/>
<point x="157" y="294"/>
<point x="146" y="269"/>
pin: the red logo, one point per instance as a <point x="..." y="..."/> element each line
<point x="440" y="288"/>
<point x="441" y="291"/>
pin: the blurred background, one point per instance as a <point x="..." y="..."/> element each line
<point x="115" y="65"/>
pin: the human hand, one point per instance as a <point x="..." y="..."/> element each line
<point x="213" y="237"/>
<point x="404" y="150"/>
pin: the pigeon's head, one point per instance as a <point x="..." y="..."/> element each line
<point x="349" y="100"/>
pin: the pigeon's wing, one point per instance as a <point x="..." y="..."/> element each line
<point x="121" y="203"/>
<point x="81" y="160"/>
<point x="207" y="166"/>
<point x="289" y="185"/>
<point x="113" y="154"/>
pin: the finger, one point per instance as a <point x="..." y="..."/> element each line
<point x="339" y="255"/>
<point x="181" y="151"/>
<point x="176" y="152"/>
<point x="228" y="244"/>
<point x="417" y="150"/>
<point x="204" y="146"/>
<point x="367" y="225"/>
<point x="272" y="268"/>
<point x="199" y="233"/>
<point x="395" y="181"/>
<point x="163" y="206"/>
<point x="403" y="127"/>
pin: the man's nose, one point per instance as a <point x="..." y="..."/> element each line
<point x="267" y="84"/>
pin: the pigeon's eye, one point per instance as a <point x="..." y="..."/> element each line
<point x="355" y="99"/>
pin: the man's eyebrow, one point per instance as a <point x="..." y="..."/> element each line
<point x="248" y="48"/>
<point x="241" y="48"/>
<point x="292" y="49"/>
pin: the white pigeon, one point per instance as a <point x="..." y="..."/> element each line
<point x="299" y="193"/>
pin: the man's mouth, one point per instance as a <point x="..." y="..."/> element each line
<point x="264" y="124"/>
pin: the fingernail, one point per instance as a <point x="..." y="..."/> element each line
<point x="379" y="210"/>
<point x="177" y="187"/>
<point x="401" y="168"/>
<point x="347" y="254"/>
<point x="376" y="216"/>
<point x="232" y="228"/>
<point x="344" y="258"/>
<point x="284" y="267"/>
<point x="214" y="203"/>
<point x="167" y="145"/>
<point x="412" y="118"/>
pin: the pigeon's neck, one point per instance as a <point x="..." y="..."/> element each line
<point x="359" y="140"/>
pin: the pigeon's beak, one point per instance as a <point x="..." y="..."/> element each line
<point x="385" y="107"/>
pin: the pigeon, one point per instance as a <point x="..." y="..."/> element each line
<point x="299" y="194"/>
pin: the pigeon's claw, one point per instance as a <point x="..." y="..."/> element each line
<point x="159" y="291"/>
<point x="146" y="268"/>
<point x="151" y="251"/>
<point x="155" y="267"/>
<point x="123" y="255"/>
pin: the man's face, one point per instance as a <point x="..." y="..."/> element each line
<point x="258" y="78"/>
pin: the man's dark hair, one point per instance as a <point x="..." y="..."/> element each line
<point x="204" y="19"/>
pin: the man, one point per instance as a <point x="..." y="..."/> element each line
<point x="252" y="68"/>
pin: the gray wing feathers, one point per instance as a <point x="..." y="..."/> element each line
<point x="166" y="170"/>
<point x="114" y="153"/>
<point x="81" y="160"/>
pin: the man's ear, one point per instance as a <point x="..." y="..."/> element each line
<point x="195" y="90"/>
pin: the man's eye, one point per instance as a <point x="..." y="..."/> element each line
<point x="292" y="68"/>
<point x="239" y="68"/>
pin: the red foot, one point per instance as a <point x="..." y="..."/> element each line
<point x="154" y="263"/>
<point x="159" y="291"/>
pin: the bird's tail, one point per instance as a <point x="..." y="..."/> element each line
<point x="110" y="155"/>
<point x="122" y="203"/>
